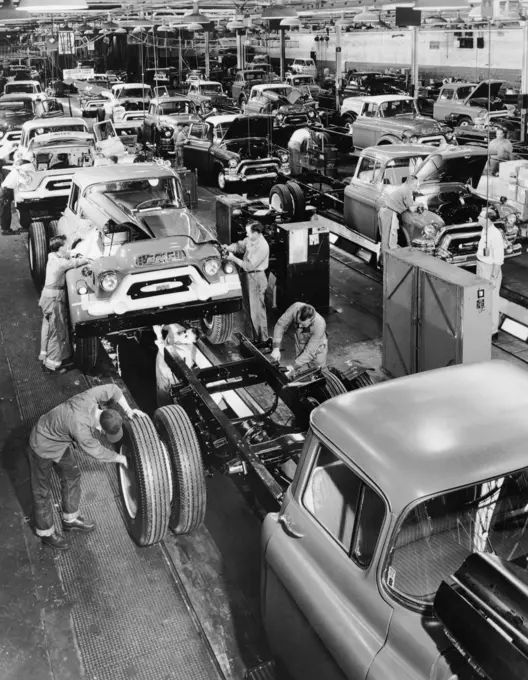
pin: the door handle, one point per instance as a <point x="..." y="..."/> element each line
<point x="287" y="524"/>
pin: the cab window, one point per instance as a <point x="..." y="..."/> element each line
<point x="370" y="110"/>
<point x="446" y="94"/>
<point x="74" y="198"/>
<point x="152" y="109"/>
<point x="347" y="508"/>
<point x="198" y="131"/>
<point x="369" y="170"/>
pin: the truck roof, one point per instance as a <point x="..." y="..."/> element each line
<point x="53" y="122"/>
<point x="381" y="98"/>
<point x="428" y="433"/>
<point x="116" y="173"/>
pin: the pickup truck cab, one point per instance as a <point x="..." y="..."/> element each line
<point x="244" y="81"/>
<point x="24" y="86"/>
<point x="36" y="128"/>
<point x="163" y="114"/>
<point x="383" y="119"/>
<point x="378" y="519"/>
<point x="306" y="66"/>
<point x="127" y="101"/>
<point x="208" y="95"/>
<point x="462" y="103"/>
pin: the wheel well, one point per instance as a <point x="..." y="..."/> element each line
<point x="387" y="140"/>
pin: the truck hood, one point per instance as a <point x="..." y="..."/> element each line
<point x="421" y="124"/>
<point x="243" y="127"/>
<point x="484" y="610"/>
<point x="179" y="118"/>
<point x="486" y="88"/>
<point x="459" y="164"/>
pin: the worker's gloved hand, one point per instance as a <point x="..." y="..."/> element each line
<point x="276" y="354"/>
<point x="136" y="413"/>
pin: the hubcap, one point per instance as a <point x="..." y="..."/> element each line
<point x="128" y="485"/>
<point x="208" y="321"/>
<point x="221" y="180"/>
<point x="276" y="202"/>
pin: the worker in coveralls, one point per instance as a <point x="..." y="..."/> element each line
<point x="254" y="263"/>
<point x="297" y="146"/>
<point x="180" y="137"/>
<point x="490" y="258"/>
<point x="55" y="347"/>
<point x="84" y="422"/>
<point x="500" y="149"/>
<point x="390" y="206"/>
<point x="19" y="175"/>
<point x="311" y="341"/>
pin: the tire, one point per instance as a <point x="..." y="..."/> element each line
<point x="281" y="199"/>
<point x="464" y="121"/>
<point x="334" y="387"/>
<point x="189" y="494"/>
<point x="53" y="228"/>
<point x="86" y="353"/>
<point x="349" y="118"/>
<point x="38" y="253"/>
<point x="24" y="217"/>
<point x="146" y="485"/>
<point x="218" y="328"/>
<point x="389" y="140"/>
<point x="220" y="180"/>
<point x="299" y="202"/>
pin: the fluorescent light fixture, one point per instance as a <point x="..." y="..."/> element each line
<point x="50" y="6"/>
<point x="439" y="5"/>
<point x="518" y="330"/>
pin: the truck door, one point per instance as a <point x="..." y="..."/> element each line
<point x="444" y="104"/>
<point x="366" y="127"/>
<point x="196" y="148"/>
<point x="322" y="609"/>
<point x="361" y="213"/>
<point x="149" y="124"/>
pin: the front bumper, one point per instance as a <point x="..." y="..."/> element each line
<point x="252" y="173"/>
<point x="146" y="318"/>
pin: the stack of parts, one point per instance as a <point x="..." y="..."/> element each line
<point x="512" y="183"/>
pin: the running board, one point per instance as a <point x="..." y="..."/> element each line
<point x="265" y="671"/>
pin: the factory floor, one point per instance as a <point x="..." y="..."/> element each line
<point x="187" y="608"/>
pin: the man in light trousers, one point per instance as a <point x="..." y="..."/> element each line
<point x="255" y="260"/>
<point x="391" y="204"/>
<point x="490" y="258"/>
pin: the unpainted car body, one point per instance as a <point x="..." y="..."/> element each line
<point x="289" y="106"/>
<point x="383" y="119"/>
<point x="128" y="101"/>
<point x="377" y="518"/>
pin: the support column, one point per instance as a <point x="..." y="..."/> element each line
<point x="524" y="86"/>
<point x="207" y="63"/>
<point x="282" y="54"/>
<point x="339" y="64"/>
<point x="240" y="49"/>
<point x="414" y="60"/>
<point x="180" y="58"/>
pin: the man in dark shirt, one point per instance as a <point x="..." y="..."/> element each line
<point x="79" y="421"/>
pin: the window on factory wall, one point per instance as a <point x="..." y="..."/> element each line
<point x="434" y="44"/>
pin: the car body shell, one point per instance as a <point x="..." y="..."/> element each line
<point x="121" y="106"/>
<point x="368" y="84"/>
<point x="199" y="94"/>
<point x="274" y="98"/>
<point x="161" y="276"/>
<point x="34" y="128"/>
<point x="325" y="615"/>
<point x="33" y="106"/>
<point x="371" y="127"/>
<point x="456" y="243"/>
<point x="458" y="102"/>
<point x="248" y="157"/>
<point x="244" y="80"/>
<point x="159" y="128"/>
<point x="302" y="80"/>
<point x="25" y="87"/>
<point x="306" y="66"/>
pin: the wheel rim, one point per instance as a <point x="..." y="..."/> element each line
<point x="208" y="321"/>
<point x="276" y="202"/>
<point x="129" y="485"/>
<point x="221" y="180"/>
<point x="464" y="123"/>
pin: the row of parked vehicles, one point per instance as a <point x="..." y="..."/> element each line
<point x="368" y="526"/>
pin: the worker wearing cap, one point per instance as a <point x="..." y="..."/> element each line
<point x="311" y="341"/>
<point x="490" y="258"/>
<point x="254" y="263"/>
<point x="82" y="421"/>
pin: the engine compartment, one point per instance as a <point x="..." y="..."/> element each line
<point x="455" y="204"/>
<point x="252" y="148"/>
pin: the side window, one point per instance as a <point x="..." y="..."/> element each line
<point x="347" y="508"/>
<point x="370" y="110"/>
<point x="152" y="109"/>
<point x="369" y="170"/>
<point x="198" y="131"/>
<point x="446" y="94"/>
<point x="74" y="198"/>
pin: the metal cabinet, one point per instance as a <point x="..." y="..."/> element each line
<point x="434" y="314"/>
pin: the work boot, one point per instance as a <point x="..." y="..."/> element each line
<point x="78" y="524"/>
<point x="56" y="541"/>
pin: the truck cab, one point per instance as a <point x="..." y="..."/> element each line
<point x="377" y="520"/>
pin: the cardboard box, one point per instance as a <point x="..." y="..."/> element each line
<point x="522" y="195"/>
<point x="509" y="170"/>
<point x="511" y="192"/>
<point x="522" y="177"/>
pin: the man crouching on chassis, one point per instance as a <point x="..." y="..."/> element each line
<point x="78" y="421"/>
<point x="311" y="340"/>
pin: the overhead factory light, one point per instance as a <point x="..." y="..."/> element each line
<point x="235" y="25"/>
<point x="439" y="5"/>
<point x="50" y="6"/>
<point x="109" y="26"/>
<point x="290" y="22"/>
<point x="367" y="17"/>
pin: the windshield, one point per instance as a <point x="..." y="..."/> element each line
<point x="56" y="128"/>
<point x="132" y="193"/>
<point x="398" y="170"/>
<point x="176" y="107"/>
<point x="214" y="88"/>
<point x="133" y="92"/>
<point x="464" y="92"/>
<point x="19" y="87"/>
<point x="437" y="535"/>
<point x="220" y="129"/>
<point x="256" y="75"/>
<point x="303" y="80"/>
<point x="62" y="158"/>
<point x="15" y="106"/>
<point x="278" y="91"/>
<point x="400" y="107"/>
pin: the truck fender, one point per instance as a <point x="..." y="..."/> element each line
<point x="388" y="139"/>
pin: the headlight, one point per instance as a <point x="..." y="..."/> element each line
<point x="81" y="287"/>
<point x="280" y="115"/>
<point x="168" y="133"/>
<point x="228" y="267"/>
<point x="481" y="112"/>
<point x="1" y="134"/>
<point x="429" y="231"/>
<point x="211" y="266"/>
<point x="511" y="219"/>
<point x="108" y="282"/>
<point x="233" y="162"/>
<point x="414" y="139"/>
<point x="284" y="157"/>
<point x="311" y="113"/>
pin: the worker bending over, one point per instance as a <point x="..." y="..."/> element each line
<point x="84" y="422"/>
<point x="311" y="341"/>
<point x="297" y="146"/>
<point x="390" y="206"/>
